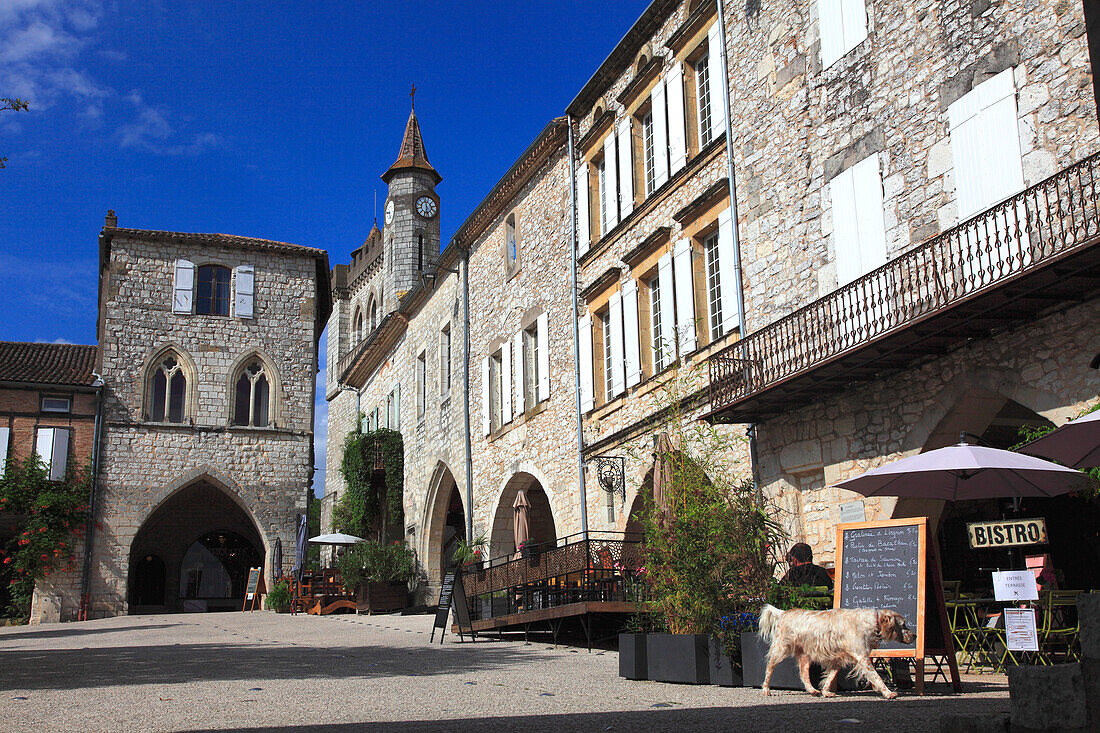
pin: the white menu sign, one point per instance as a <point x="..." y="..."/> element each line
<point x="1020" y="631"/>
<point x="1015" y="585"/>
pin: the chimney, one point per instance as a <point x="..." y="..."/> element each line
<point x="112" y="220"/>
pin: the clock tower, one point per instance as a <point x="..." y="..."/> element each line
<point x="411" y="225"/>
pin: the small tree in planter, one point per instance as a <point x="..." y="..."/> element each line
<point x="379" y="573"/>
<point x="279" y="599"/>
<point x="469" y="555"/>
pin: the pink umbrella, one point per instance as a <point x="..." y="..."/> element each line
<point x="1076" y="444"/>
<point x="520" y="526"/>
<point x="962" y="472"/>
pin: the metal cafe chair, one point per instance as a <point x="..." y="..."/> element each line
<point x="967" y="632"/>
<point x="1061" y="629"/>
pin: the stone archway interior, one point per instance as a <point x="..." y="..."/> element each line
<point x="541" y="526"/>
<point x="635" y="527"/>
<point x="199" y="528"/>
<point x="454" y="528"/>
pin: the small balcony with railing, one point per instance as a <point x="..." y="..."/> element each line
<point x="1029" y="255"/>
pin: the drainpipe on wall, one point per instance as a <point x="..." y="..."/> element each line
<point x="754" y="460"/>
<point x="576" y="327"/>
<point x="466" y="391"/>
<point x="89" y="528"/>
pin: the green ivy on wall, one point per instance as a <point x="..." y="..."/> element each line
<point x="371" y="500"/>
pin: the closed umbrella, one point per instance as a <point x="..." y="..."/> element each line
<point x="521" y="529"/>
<point x="300" y="546"/>
<point x="662" y="471"/>
<point x="965" y="472"/>
<point x="1076" y="444"/>
<point x="277" y="558"/>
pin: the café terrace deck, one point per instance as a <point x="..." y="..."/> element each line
<point x="1032" y="253"/>
<point x="573" y="578"/>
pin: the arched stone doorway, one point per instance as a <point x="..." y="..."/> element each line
<point x="540" y="517"/>
<point x="634" y="530"/>
<point x="200" y="531"/>
<point x="446" y="523"/>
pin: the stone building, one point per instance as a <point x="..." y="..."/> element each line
<point x="208" y="359"/>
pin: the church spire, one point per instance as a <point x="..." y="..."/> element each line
<point x="412" y="154"/>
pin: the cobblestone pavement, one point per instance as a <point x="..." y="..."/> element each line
<point x="264" y="671"/>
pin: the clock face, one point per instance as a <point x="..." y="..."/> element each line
<point x="425" y="206"/>
<point x="389" y="212"/>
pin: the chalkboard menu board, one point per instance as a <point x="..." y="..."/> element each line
<point x="251" y="595"/>
<point x="447" y="598"/>
<point x="882" y="565"/>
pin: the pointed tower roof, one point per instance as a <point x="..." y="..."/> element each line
<point x="412" y="154"/>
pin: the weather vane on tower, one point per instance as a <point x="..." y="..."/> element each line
<point x="412" y="96"/>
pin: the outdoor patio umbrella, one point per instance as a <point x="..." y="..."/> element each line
<point x="300" y="546"/>
<point x="1076" y="444"/>
<point x="521" y="529"/>
<point x="277" y="558"/>
<point x="335" y="539"/>
<point x="963" y="472"/>
<point x="662" y="470"/>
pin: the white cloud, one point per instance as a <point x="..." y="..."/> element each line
<point x="151" y="131"/>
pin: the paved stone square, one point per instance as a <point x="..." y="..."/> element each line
<point x="264" y="671"/>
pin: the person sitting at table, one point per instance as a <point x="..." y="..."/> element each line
<point x="803" y="571"/>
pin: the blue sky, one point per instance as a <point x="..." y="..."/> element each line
<point x="267" y="119"/>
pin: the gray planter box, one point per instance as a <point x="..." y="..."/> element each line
<point x="683" y="658"/>
<point x="754" y="654"/>
<point x="722" y="671"/>
<point x="632" y="656"/>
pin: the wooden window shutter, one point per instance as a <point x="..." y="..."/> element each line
<point x="626" y="168"/>
<point x="518" y="376"/>
<point x="630" y="333"/>
<point x="584" y="353"/>
<point x="486" y="422"/>
<point x="5" y="439"/>
<point x="660" y="134"/>
<point x="727" y="273"/>
<point x="615" y="316"/>
<point x="870" y="222"/>
<point x="682" y="267"/>
<point x="183" y="287"/>
<point x="845" y="227"/>
<point x="667" y="308"/>
<point x="244" y="291"/>
<point x="854" y="18"/>
<point x="609" y="176"/>
<point x="542" y="339"/>
<point x="718" y="109"/>
<point x="831" y="31"/>
<point x="677" y="125"/>
<point x="584" y="231"/>
<point x="505" y="383"/>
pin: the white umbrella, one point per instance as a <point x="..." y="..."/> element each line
<point x="1076" y="444"/>
<point x="336" y="539"/>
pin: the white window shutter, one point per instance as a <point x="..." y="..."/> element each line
<point x="831" y="31"/>
<point x="397" y="408"/>
<point x="5" y="436"/>
<point x="870" y="223"/>
<point x="43" y="445"/>
<point x="245" y="290"/>
<point x="854" y="18"/>
<point x="985" y="144"/>
<point x="584" y="233"/>
<point x="60" y="459"/>
<point x="542" y="337"/>
<point x="183" y="288"/>
<point x="727" y="273"/>
<point x="685" y="296"/>
<point x="677" y="127"/>
<point x="630" y="333"/>
<point x="518" y="364"/>
<point x="626" y="168"/>
<point x="505" y="383"/>
<point x="718" y="110"/>
<point x="845" y="227"/>
<point x="584" y="353"/>
<point x="615" y="315"/>
<point x="486" y="422"/>
<point x="667" y="308"/>
<point x="660" y="134"/>
<point x="611" y="194"/>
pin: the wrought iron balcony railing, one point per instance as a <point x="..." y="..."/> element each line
<point x="1042" y="224"/>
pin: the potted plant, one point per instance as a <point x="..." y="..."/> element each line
<point x="632" y="640"/>
<point x="527" y="548"/>
<point x="469" y="555"/>
<point x="379" y="574"/>
<point x="279" y="598"/>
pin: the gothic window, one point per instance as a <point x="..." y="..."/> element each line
<point x="168" y="391"/>
<point x="252" y="396"/>
<point x="357" y="325"/>
<point x="212" y="296"/>
<point x="373" y="316"/>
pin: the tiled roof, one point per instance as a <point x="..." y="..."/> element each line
<point x="227" y="240"/>
<point x="412" y="153"/>
<point x="68" y="364"/>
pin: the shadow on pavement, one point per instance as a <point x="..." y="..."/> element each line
<point x="19" y="633"/>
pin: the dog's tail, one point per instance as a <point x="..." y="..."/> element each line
<point x="769" y="617"/>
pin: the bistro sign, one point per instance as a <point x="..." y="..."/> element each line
<point x="1007" y="533"/>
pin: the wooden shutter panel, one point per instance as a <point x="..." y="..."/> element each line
<point x="854" y="18"/>
<point x="542" y="338"/>
<point x="59" y="460"/>
<point x="397" y="408"/>
<point x="870" y="223"/>
<point x="584" y="232"/>
<point x="685" y="296"/>
<point x="183" y="287"/>
<point x="486" y="422"/>
<point x="584" y="352"/>
<point x="505" y="383"/>
<point x="677" y="127"/>
<point x="43" y="445"/>
<point x="660" y="134"/>
<point x="245" y="289"/>
<point x="845" y="227"/>
<point x="630" y="333"/>
<point x="611" y="194"/>
<point x="518" y="366"/>
<point x="626" y="168"/>
<point x="5" y="438"/>
<point x="727" y="273"/>
<point x="615" y="315"/>
<point x="718" y="110"/>
<point x="667" y="307"/>
<point x="831" y="30"/>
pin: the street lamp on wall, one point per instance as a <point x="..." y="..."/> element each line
<point x="611" y="474"/>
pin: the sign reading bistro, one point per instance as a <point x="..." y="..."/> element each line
<point x="1007" y="533"/>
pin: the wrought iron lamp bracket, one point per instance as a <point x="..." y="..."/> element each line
<point x="611" y="474"/>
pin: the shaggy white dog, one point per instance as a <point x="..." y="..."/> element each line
<point x="835" y="639"/>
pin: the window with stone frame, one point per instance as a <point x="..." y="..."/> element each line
<point x="660" y="356"/>
<point x="495" y="403"/>
<point x="648" y="153"/>
<point x="421" y="384"/>
<point x="701" y="66"/>
<point x="167" y="399"/>
<point x="393" y="409"/>
<point x="357" y="325"/>
<point x="530" y="366"/>
<point x="511" y="245"/>
<point x="714" y="286"/>
<point x="253" y="397"/>
<point x="212" y="293"/>
<point x="445" y="361"/>
<point x="373" y="322"/>
<point x="601" y="195"/>
<point x="606" y="356"/>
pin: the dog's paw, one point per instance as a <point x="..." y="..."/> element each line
<point x="815" y="693"/>
<point x="767" y="692"/>
<point x="890" y="695"/>
<point x="828" y="693"/>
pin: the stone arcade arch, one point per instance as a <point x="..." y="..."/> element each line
<point x="543" y="528"/>
<point x="446" y="523"/>
<point x="198" y="512"/>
